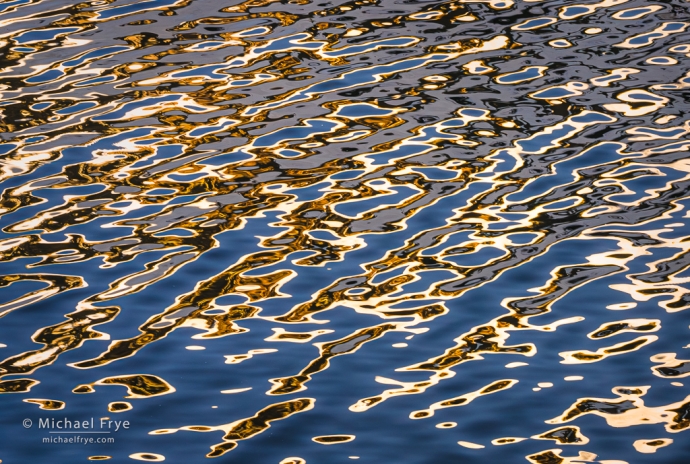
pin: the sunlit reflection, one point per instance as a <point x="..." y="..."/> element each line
<point x="397" y="208"/>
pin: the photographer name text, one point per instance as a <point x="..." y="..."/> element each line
<point x="102" y="424"/>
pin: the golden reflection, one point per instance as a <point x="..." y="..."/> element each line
<point x="569" y="435"/>
<point x="650" y="446"/>
<point x="319" y="181"/>
<point x="46" y="404"/>
<point x="464" y="399"/>
<point x="56" y="284"/>
<point x="629" y="325"/>
<point x="293" y="460"/>
<point x="470" y="445"/>
<point x="637" y="103"/>
<point x="507" y="441"/>
<point x="138" y="385"/>
<point x="554" y="455"/>
<point x="238" y="358"/>
<point x="244" y="429"/>
<point x="646" y="39"/>
<point x="333" y="439"/>
<point x="328" y="350"/>
<point x="587" y="356"/>
<point x="636" y="13"/>
<point x="147" y="457"/>
<point x="670" y="367"/>
<point x="119" y="406"/>
<point x="281" y="335"/>
<point x="628" y="409"/>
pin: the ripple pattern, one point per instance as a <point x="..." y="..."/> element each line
<point x="349" y="223"/>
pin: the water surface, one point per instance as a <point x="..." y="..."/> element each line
<point x="386" y="231"/>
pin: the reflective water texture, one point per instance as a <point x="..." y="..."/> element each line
<point x="398" y="231"/>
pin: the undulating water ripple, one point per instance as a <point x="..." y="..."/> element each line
<point x="399" y="231"/>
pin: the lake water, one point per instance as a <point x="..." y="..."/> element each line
<point x="374" y="231"/>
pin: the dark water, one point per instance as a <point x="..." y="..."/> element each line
<point x="387" y="231"/>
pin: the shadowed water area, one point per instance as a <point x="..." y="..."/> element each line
<point x="376" y="231"/>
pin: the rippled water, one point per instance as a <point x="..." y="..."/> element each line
<point x="395" y="231"/>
